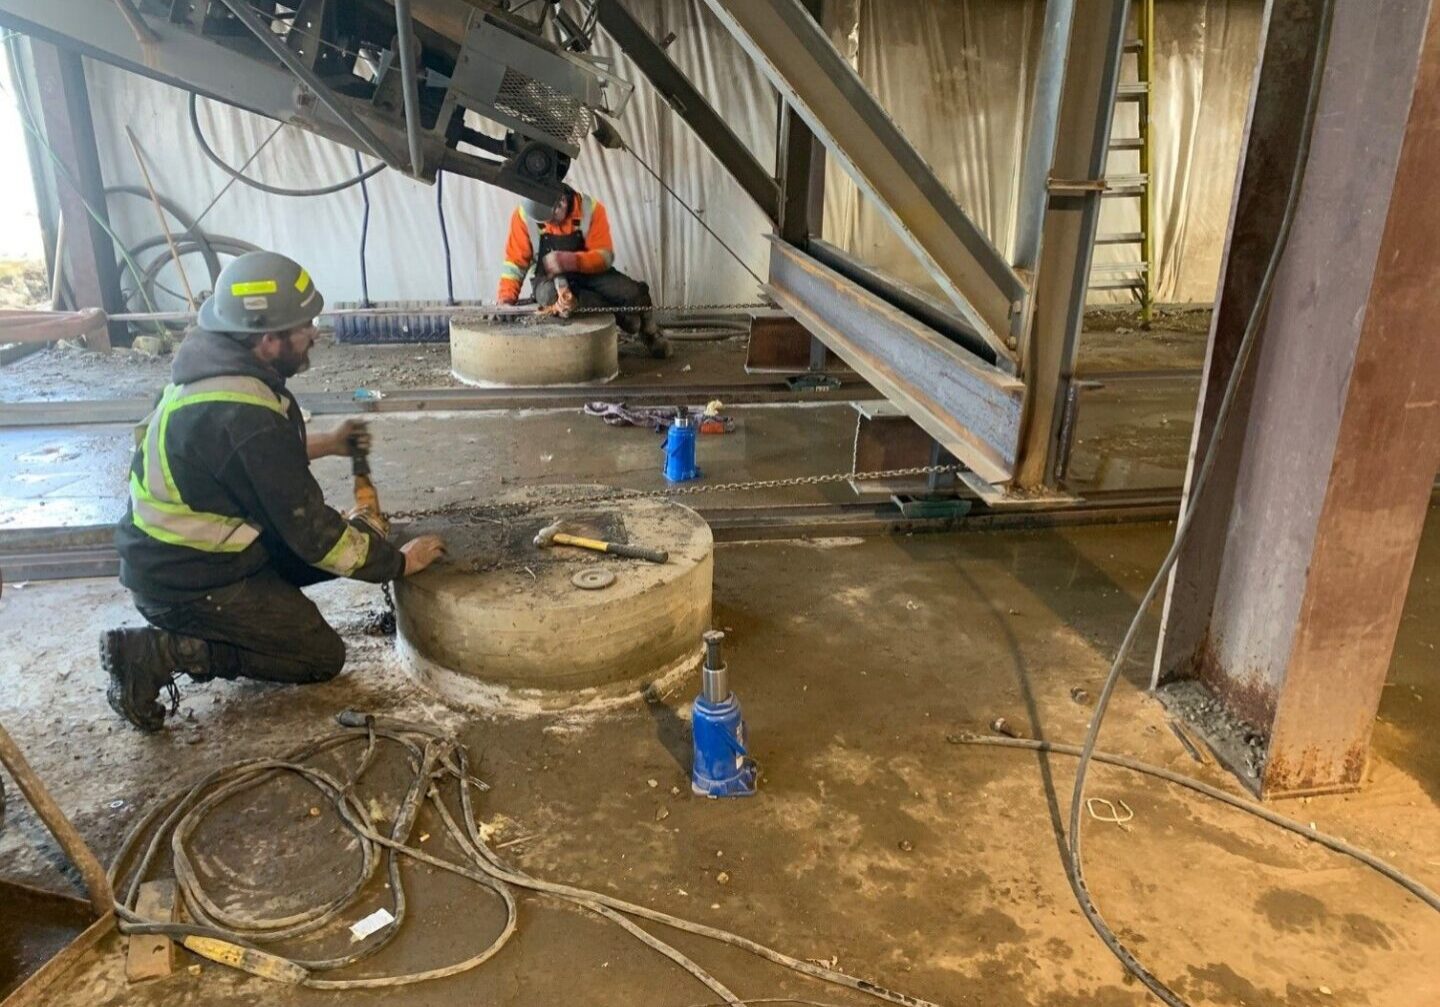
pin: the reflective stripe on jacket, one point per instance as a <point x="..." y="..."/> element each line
<point x="587" y="217"/>
<point x="157" y="507"/>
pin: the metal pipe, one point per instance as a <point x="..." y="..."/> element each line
<point x="405" y="42"/>
<point x="1040" y="139"/>
<point x="246" y="15"/>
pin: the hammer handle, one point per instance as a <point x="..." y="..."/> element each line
<point x="613" y="548"/>
<point x="637" y="552"/>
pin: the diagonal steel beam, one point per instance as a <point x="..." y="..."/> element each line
<point x="971" y="408"/>
<point x="815" y="80"/>
<point x="690" y="105"/>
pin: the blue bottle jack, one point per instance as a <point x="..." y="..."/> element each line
<point x="680" y="449"/>
<point x="722" y="767"/>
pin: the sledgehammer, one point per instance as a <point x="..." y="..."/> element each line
<point x="552" y="535"/>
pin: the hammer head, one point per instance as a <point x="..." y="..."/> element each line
<point x="545" y="537"/>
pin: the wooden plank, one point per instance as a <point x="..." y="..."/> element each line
<point x="152" y="956"/>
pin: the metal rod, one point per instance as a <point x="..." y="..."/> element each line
<point x="1040" y="140"/>
<point x="102" y="899"/>
<point x="160" y="213"/>
<point x="292" y="62"/>
<point x="405" y="42"/>
<point x="58" y="273"/>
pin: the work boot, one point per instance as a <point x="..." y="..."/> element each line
<point x="143" y="663"/>
<point x="657" y="345"/>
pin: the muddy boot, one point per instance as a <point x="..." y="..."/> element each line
<point x="655" y="344"/>
<point x="142" y="663"/>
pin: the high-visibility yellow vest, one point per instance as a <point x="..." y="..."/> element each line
<point x="157" y="507"/>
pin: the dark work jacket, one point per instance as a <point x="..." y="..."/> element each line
<point x="244" y="461"/>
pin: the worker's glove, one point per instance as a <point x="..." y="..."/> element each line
<point x="351" y="437"/>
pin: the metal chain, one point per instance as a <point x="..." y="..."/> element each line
<point x="521" y="507"/>
<point x="689" y="309"/>
<point x="384" y="622"/>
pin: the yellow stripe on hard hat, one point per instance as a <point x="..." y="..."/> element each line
<point x="302" y="282"/>
<point x="253" y="287"/>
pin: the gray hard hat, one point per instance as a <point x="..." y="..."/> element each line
<point x="539" y="209"/>
<point x="261" y="292"/>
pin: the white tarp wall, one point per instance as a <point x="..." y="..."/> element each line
<point x="954" y="73"/>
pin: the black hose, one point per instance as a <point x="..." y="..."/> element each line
<point x="219" y="244"/>
<point x="364" y="238"/>
<point x="274" y="190"/>
<point x="444" y="235"/>
<point x="1075" y="870"/>
<point x="696" y="327"/>
<point x="212" y="261"/>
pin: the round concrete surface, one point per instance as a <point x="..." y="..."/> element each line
<point x="485" y="351"/>
<point x="501" y="615"/>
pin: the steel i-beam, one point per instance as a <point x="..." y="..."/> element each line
<point x="816" y="81"/>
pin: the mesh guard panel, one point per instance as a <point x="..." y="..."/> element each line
<point x="545" y="109"/>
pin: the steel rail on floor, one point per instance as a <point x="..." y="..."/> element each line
<point x="133" y="410"/>
<point x="44" y="554"/>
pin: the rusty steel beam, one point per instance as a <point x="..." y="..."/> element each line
<point x="63" y="116"/>
<point x="1287" y="598"/>
<point x="1063" y="249"/>
<point x="816" y="81"/>
<point x="970" y="407"/>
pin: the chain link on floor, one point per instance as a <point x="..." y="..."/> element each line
<point x="383" y="623"/>
<point x="605" y="496"/>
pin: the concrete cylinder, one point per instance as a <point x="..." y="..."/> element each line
<point x="503" y="615"/>
<point x="527" y="352"/>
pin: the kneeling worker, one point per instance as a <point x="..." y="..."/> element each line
<point x="226" y="522"/>
<point x="568" y="243"/>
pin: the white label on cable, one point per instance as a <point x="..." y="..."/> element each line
<point x="377" y="920"/>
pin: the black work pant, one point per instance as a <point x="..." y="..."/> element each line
<point x="610" y="289"/>
<point x="262" y="627"/>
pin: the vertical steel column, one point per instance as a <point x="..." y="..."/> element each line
<point x="1075" y="187"/>
<point x="1286" y="601"/>
<point x="1040" y="138"/>
<point x="64" y="119"/>
<point x="801" y="171"/>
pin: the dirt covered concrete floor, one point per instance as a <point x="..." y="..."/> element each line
<point x="875" y="842"/>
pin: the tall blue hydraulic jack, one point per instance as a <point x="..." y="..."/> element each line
<point x="723" y="767"/>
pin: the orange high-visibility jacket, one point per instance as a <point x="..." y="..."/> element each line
<point x="587" y="215"/>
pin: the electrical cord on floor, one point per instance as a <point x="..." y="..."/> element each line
<point x="1075" y="867"/>
<point x="1413" y="886"/>
<point x="439" y="764"/>
<point x="274" y="190"/>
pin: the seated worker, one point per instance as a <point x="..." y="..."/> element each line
<point x="226" y="523"/>
<point x="568" y="244"/>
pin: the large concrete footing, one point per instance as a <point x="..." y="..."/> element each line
<point x="485" y="351"/>
<point x="503" y="624"/>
